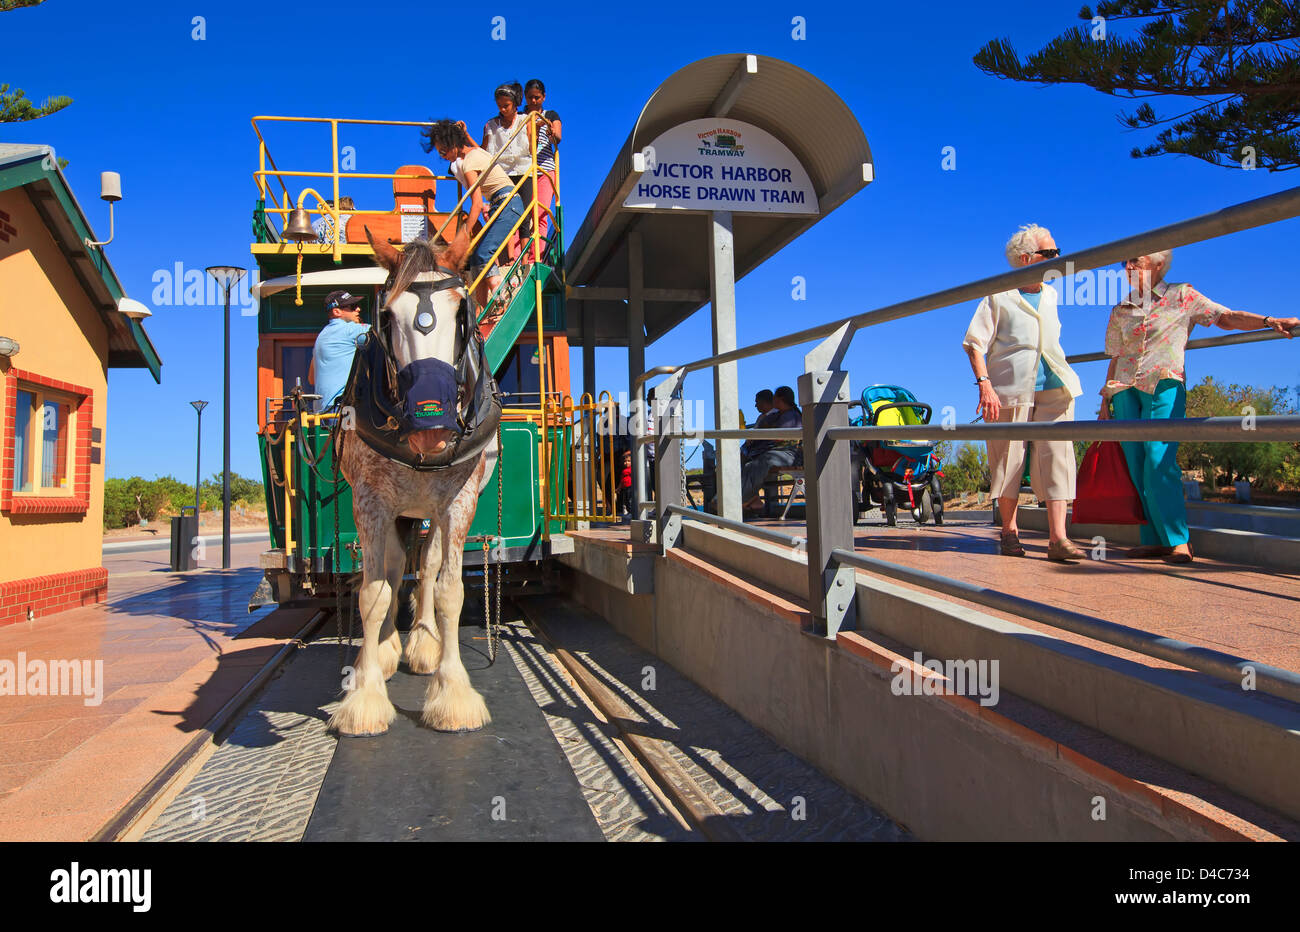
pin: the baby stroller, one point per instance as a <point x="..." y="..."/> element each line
<point x="898" y="472"/>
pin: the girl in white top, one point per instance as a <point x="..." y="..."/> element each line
<point x="515" y="156"/>
<point x="1014" y="346"/>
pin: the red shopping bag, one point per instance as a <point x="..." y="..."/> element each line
<point x="1104" y="492"/>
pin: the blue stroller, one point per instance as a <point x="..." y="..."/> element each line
<point x="895" y="472"/>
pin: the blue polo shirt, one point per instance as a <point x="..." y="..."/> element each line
<point x="335" y="347"/>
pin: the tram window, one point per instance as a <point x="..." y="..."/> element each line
<point x="295" y="362"/>
<point x="519" y="375"/>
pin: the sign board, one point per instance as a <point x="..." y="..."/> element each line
<point x="415" y="224"/>
<point x="722" y="164"/>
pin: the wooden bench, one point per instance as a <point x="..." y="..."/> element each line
<point x="776" y="478"/>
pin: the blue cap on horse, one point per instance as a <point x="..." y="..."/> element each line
<point x="430" y="390"/>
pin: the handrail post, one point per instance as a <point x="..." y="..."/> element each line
<point x="824" y="396"/>
<point x="667" y="412"/>
<point x="338" y="232"/>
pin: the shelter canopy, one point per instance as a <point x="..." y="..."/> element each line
<point x="804" y="115"/>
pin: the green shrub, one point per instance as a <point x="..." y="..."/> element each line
<point x="967" y="469"/>
<point x="1262" y="463"/>
<point x="127" y="501"/>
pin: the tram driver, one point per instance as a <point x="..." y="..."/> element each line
<point x="336" y="344"/>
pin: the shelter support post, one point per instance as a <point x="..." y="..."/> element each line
<point x="589" y="349"/>
<point x="726" y="397"/>
<point x="636" y="365"/>
<point x="669" y="480"/>
<point x="824" y="397"/>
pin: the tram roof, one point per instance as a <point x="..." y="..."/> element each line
<point x="786" y="101"/>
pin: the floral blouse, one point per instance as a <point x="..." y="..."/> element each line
<point x="1147" y="339"/>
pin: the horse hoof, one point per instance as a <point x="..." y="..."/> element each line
<point x="454" y="706"/>
<point x="423" y="653"/>
<point x="362" y="715"/>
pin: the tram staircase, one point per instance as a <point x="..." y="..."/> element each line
<point x="517" y="293"/>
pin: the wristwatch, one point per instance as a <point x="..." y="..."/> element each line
<point x="982" y="378"/>
<point x="1267" y="322"/>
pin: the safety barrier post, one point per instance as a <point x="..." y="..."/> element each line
<point x="668" y="456"/>
<point x="824" y="397"/>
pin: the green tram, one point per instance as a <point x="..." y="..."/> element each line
<point x="532" y="496"/>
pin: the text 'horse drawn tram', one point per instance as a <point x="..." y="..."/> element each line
<point x="454" y="444"/>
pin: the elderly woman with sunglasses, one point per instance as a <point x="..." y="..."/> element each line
<point x="1146" y="338"/>
<point x="1014" y="345"/>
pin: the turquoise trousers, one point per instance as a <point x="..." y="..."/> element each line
<point x="1153" y="464"/>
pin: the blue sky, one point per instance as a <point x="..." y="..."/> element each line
<point x="171" y="114"/>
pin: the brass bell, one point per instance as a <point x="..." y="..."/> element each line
<point x="299" y="228"/>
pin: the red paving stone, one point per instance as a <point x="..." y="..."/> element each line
<point x="171" y="659"/>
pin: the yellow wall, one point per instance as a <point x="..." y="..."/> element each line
<point x="61" y="336"/>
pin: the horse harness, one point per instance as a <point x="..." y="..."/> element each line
<point x="374" y="391"/>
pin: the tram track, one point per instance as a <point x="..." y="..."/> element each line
<point x="679" y="792"/>
<point x="134" y="819"/>
<point x="630" y="761"/>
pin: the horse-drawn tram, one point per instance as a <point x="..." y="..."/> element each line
<point x="516" y="329"/>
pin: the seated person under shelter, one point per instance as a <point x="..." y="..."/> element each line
<point x="767" y="413"/>
<point x="336" y="344"/>
<point x="769" y="453"/>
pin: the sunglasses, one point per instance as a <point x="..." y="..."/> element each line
<point x="1047" y="253"/>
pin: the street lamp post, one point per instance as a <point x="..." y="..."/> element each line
<point x="198" y="454"/>
<point x="226" y="276"/>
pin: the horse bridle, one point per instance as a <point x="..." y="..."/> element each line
<point x="452" y="281"/>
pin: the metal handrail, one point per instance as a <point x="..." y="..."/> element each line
<point x="1273" y="680"/>
<point x="1266" y="428"/>
<point x="826" y="531"/>
<point x="1281" y="206"/>
<point x="1230" y="339"/>
<point x="798" y="543"/>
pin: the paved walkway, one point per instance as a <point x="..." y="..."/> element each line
<point x="1237" y="609"/>
<point x="174" y="649"/>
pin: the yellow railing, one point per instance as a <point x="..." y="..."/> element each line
<point x="283" y="207"/>
<point x="592" y="473"/>
<point x="336" y="176"/>
<point x="306" y="420"/>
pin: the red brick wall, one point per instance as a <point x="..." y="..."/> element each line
<point x="46" y="595"/>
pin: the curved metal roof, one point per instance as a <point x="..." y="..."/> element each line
<point x="788" y="102"/>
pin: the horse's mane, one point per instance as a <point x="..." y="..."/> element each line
<point x="418" y="257"/>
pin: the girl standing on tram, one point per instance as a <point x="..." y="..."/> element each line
<point x="468" y="161"/>
<point x="548" y="137"/>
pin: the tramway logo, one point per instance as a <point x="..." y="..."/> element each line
<point x="182" y="287"/>
<point x="721" y="142"/>
<point x="53" y="678"/>
<point x="106" y="885"/>
<point x="971" y="678"/>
